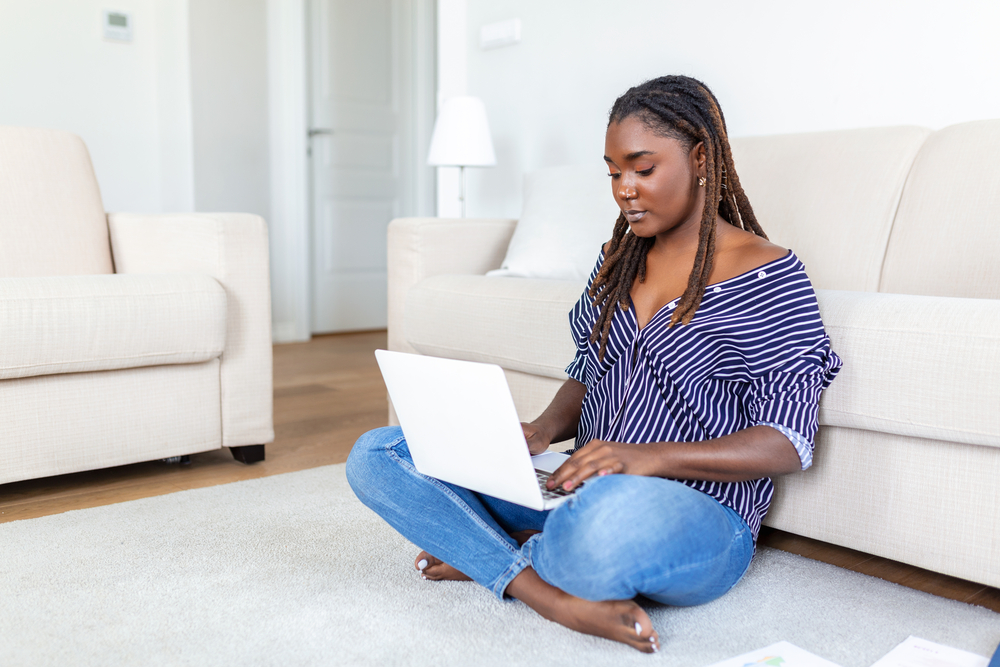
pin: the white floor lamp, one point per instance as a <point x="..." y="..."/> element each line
<point x="462" y="138"/>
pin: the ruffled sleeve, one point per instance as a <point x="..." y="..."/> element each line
<point x="787" y="396"/>
<point x="581" y="323"/>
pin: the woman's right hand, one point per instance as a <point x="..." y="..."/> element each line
<point x="538" y="439"/>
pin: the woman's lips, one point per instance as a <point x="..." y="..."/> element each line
<point x="634" y="216"/>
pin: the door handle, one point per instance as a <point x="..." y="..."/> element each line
<point x="313" y="131"/>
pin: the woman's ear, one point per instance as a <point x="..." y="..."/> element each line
<point x="699" y="159"/>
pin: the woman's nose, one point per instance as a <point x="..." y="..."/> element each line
<point x="626" y="192"/>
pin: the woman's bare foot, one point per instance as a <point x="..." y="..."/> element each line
<point x="436" y="570"/>
<point x="619" y="620"/>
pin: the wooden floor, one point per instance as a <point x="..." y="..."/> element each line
<point x="327" y="392"/>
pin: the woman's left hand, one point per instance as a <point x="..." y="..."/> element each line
<point x="600" y="458"/>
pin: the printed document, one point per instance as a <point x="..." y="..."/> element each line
<point x="781" y="654"/>
<point x="917" y="652"/>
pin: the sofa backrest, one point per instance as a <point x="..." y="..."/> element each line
<point x="830" y="196"/>
<point x="52" y="221"/>
<point x="946" y="237"/>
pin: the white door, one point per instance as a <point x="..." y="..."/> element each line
<point x="369" y="69"/>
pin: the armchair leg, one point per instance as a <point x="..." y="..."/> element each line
<point x="248" y="453"/>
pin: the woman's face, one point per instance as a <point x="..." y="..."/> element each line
<point x="654" y="179"/>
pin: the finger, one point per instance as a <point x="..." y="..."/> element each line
<point x="561" y="474"/>
<point x="585" y="471"/>
<point x="569" y="467"/>
<point x="605" y="465"/>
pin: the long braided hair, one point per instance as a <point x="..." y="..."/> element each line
<point x="685" y="109"/>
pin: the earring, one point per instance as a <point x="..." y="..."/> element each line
<point x="701" y="181"/>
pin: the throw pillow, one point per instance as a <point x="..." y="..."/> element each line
<point x="568" y="214"/>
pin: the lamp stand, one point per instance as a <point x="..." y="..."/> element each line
<point x="461" y="187"/>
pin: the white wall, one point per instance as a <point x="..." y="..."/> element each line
<point x="229" y="105"/>
<point x="452" y="79"/>
<point x="776" y="66"/>
<point x="129" y="101"/>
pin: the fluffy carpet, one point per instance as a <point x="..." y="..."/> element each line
<point x="293" y="570"/>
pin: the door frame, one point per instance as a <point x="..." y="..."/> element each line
<point x="288" y="105"/>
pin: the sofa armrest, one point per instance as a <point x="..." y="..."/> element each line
<point x="233" y="249"/>
<point x="424" y="247"/>
<point x="918" y="366"/>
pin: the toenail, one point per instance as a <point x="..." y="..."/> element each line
<point x="638" y="628"/>
<point x="422" y="564"/>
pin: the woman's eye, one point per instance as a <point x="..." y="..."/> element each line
<point x="614" y="175"/>
<point x="645" y="172"/>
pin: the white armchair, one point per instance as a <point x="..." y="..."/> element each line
<point x="125" y="337"/>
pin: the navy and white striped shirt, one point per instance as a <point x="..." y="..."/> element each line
<point x="754" y="353"/>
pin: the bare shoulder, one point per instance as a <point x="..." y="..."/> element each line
<point x="739" y="251"/>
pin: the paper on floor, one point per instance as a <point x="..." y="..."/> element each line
<point x="917" y="652"/>
<point x="781" y="654"/>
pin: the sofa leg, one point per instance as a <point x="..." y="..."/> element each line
<point x="248" y="453"/>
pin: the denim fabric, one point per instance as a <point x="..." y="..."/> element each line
<point x="618" y="537"/>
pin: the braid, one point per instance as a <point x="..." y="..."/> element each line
<point x="685" y="109"/>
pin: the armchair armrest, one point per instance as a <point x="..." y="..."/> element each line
<point x="233" y="249"/>
<point x="424" y="247"/>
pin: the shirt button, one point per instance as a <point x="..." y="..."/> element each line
<point x="717" y="290"/>
<point x="673" y="304"/>
<point x="761" y="274"/>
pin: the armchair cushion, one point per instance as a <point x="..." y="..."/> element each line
<point x="52" y="221"/>
<point x="73" y="324"/>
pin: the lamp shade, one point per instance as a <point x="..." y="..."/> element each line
<point x="462" y="135"/>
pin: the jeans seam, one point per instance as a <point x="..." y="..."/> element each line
<point x="519" y="560"/>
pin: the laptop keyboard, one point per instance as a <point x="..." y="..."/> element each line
<point x="550" y="494"/>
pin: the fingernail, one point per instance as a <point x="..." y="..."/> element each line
<point x="638" y="628"/>
<point x="568" y="485"/>
<point x="602" y="473"/>
<point x="422" y="564"/>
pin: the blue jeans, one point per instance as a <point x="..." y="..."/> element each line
<point x="617" y="537"/>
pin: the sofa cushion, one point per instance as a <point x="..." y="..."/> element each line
<point x="521" y="324"/>
<point x="914" y="365"/>
<point x="830" y="196"/>
<point x="52" y="221"/>
<point x="947" y="232"/>
<point x="72" y="324"/>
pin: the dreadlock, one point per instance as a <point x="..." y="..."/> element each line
<point x="685" y="109"/>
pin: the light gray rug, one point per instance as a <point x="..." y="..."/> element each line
<point x="292" y="570"/>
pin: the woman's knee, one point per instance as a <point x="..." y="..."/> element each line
<point x="624" y="533"/>
<point x="598" y="526"/>
<point x="368" y="457"/>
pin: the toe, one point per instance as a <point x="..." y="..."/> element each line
<point x="642" y="634"/>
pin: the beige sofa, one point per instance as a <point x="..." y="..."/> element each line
<point x="125" y="337"/>
<point x="899" y="229"/>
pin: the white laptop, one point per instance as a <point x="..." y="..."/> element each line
<point x="461" y="427"/>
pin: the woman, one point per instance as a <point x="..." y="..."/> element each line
<point x="700" y="361"/>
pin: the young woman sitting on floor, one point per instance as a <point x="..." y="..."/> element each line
<point x="700" y="362"/>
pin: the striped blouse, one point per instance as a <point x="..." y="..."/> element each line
<point x="755" y="353"/>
